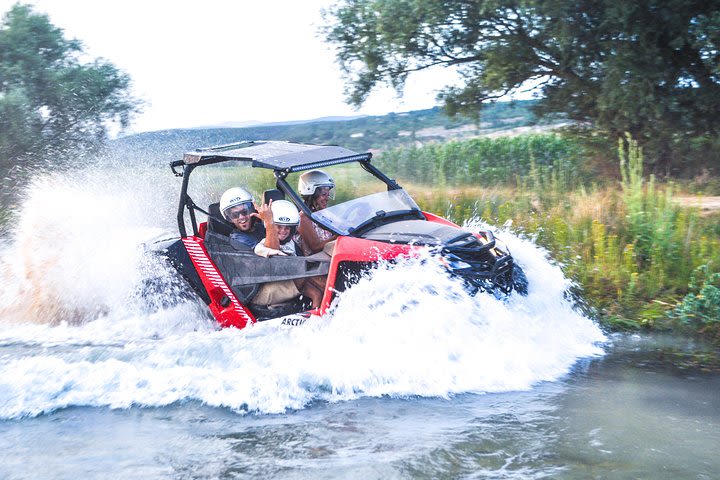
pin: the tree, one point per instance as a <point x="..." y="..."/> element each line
<point x="647" y="67"/>
<point x="50" y="102"/>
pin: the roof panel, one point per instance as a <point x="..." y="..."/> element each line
<point x="277" y="155"/>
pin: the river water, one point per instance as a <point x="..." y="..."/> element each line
<point x="408" y="377"/>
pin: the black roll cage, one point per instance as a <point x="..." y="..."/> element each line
<point x="187" y="203"/>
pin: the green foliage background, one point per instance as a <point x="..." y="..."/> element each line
<point x="646" y="67"/>
<point x="506" y="160"/>
<point x="51" y="102"/>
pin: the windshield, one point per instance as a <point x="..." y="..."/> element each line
<point x="347" y="216"/>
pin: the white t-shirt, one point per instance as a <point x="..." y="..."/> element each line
<point x="287" y="248"/>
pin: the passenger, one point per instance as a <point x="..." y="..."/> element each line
<point x="281" y="219"/>
<point x="316" y="188"/>
<point x="237" y="206"/>
<point x="284" y="216"/>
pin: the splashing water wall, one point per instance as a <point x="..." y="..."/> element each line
<point x="74" y="333"/>
<point x="75" y="246"/>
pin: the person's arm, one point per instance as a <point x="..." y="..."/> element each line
<point x="309" y="235"/>
<point x="271" y="237"/>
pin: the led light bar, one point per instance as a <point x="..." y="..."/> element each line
<point x="326" y="163"/>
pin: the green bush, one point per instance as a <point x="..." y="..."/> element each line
<point x="700" y="309"/>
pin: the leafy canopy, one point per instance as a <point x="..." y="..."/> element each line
<point x="49" y="100"/>
<point x="647" y="67"/>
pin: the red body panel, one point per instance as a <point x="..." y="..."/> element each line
<point x="234" y="314"/>
<point x="434" y="218"/>
<point x="359" y="250"/>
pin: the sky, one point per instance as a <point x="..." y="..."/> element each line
<point x="210" y="62"/>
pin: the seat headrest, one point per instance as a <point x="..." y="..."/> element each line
<point x="273" y="195"/>
<point x="214" y="224"/>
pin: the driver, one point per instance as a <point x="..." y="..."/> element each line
<point x="238" y="208"/>
<point x="316" y="188"/>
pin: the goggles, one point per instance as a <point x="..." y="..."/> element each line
<point x="238" y="211"/>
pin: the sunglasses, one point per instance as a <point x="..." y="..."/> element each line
<point x="235" y="214"/>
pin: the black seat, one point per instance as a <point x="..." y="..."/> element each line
<point x="215" y="222"/>
<point x="244" y="271"/>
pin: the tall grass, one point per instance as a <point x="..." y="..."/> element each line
<point x="630" y="247"/>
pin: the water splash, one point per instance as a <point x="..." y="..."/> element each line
<point x="389" y="335"/>
<point x="75" y="248"/>
<point x="72" y="336"/>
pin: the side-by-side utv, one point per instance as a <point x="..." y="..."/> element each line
<point x="379" y="226"/>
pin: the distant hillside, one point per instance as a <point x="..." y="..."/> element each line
<point x="362" y="134"/>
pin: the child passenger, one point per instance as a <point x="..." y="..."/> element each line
<point x="281" y="219"/>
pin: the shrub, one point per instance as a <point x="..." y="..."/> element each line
<point x="700" y="309"/>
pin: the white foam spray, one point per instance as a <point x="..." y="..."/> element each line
<point x="76" y="244"/>
<point x="405" y="331"/>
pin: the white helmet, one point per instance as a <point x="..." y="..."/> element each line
<point x="310" y="181"/>
<point x="285" y="213"/>
<point x="233" y="197"/>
